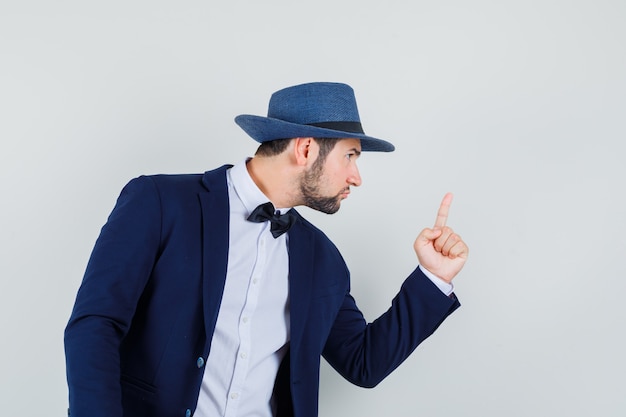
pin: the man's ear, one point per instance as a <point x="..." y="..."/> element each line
<point x="304" y="150"/>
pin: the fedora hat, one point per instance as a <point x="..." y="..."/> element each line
<point x="318" y="110"/>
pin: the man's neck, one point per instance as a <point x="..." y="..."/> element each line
<point x="276" y="179"/>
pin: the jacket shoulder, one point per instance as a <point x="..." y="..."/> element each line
<point x="182" y="183"/>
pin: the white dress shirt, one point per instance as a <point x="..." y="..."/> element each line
<point x="252" y="330"/>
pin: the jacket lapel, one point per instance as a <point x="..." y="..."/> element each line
<point x="301" y="256"/>
<point x="215" y="220"/>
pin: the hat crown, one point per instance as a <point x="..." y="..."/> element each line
<point x="312" y="103"/>
<point x="312" y="110"/>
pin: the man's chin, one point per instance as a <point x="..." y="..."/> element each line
<point x="327" y="205"/>
<point x="326" y="209"/>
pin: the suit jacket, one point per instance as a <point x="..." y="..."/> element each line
<point x="145" y="313"/>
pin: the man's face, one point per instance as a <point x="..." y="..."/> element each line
<point x="327" y="182"/>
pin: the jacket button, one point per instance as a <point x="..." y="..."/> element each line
<point x="188" y="413"/>
<point x="200" y="363"/>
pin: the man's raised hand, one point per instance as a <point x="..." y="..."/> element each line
<point x="440" y="250"/>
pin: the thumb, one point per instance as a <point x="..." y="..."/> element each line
<point x="428" y="235"/>
<point x="424" y="245"/>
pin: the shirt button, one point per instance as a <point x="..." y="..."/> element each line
<point x="254" y="281"/>
<point x="243" y="355"/>
<point x="200" y="362"/>
<point x="245" y="319"/>
<point x="234" y="395"/>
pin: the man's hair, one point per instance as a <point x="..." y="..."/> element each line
<point x="272" y="147"/>
<point x="278" y="146"/>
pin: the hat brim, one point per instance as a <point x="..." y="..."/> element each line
<point x="265" y="129"/>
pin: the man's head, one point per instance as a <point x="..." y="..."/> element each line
<point x="317" y="166"/>
<point x="334" y="171"/>
<point x="325" y="169"/>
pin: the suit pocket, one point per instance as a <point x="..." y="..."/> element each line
<point x="135" y="386"/>
<point x="138" y="397"/>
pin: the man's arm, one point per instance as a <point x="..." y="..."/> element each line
<point x="366" y="353"/>
<point x="116" y="275"/>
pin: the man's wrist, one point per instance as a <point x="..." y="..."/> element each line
<point x="445" y="287"/>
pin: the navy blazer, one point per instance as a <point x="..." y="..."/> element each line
<point x="144" y="315"/>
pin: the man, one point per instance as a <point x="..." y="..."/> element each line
<point x="201" y="298"/>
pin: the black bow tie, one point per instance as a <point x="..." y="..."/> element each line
<point x="280" y="222"/>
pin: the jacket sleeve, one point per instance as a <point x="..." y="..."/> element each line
<point x="365" y="353"/>
<point x="117" y="272"/>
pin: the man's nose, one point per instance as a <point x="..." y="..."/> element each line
<point x="355" y="178"/>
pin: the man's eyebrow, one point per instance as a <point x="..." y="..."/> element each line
<point x="355" y="150"/>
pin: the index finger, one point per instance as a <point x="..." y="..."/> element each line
<point x="444" y="208"/>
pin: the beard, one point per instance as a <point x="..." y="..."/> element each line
<point x="309" y="189"/>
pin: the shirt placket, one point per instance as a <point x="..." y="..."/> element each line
<point x="246" y="321"/>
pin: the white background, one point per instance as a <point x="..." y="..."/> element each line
<point x="518" y="107"/>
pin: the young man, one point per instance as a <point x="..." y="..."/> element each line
<point x="208" y="295"/>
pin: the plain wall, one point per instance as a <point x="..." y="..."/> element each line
<point x="517" y="107"/>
